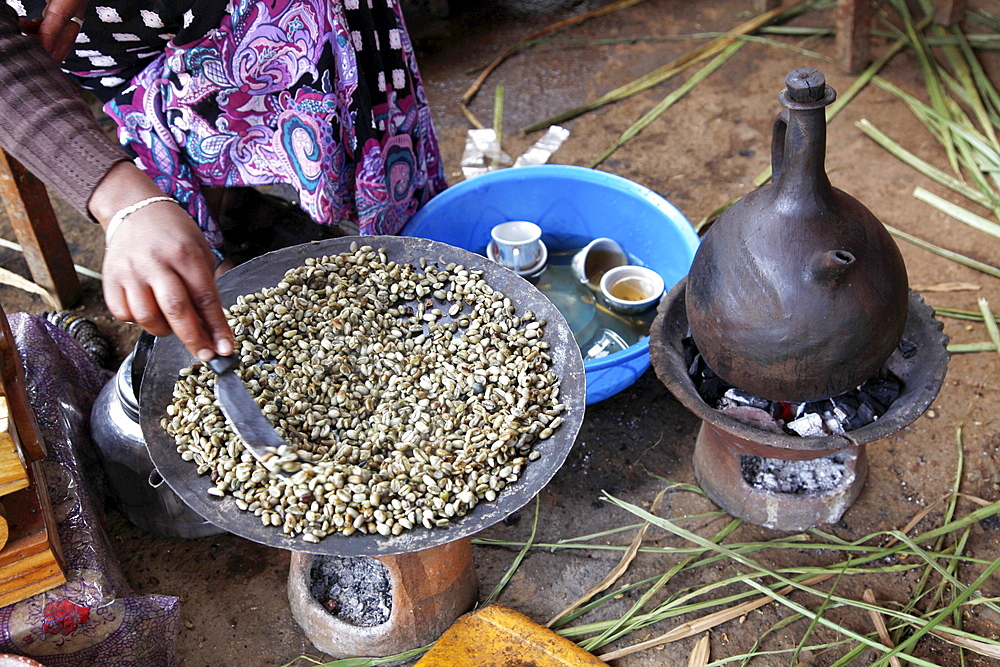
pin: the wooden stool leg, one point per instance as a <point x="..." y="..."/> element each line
<point x="949" y="12"/>
<point x="854" y="24"/>
<point x="761" y="6"/>
<point x="37" y="230"/>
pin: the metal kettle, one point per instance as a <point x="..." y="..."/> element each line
<point x="139" y="491"/>
<point x="797" y="291"/>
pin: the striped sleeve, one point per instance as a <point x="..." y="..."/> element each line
<point x="45" y="123"/>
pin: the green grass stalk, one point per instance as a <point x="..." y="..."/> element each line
<point x="812" y="624"/>
<point x="941" y="615"/>
<point x="990" y="322"/>
<point x="659" y="584"/>
<point x="671" y="69"/>
<point x="517" y="559"/>
<point x="498" y="114"/>
<point x="948" y="254"/>
<point x="925" y="168"/>
<point x="669" y="101"/>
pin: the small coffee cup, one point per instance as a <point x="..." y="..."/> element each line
<point x="517" y="244"/>
<point x="632" y="289"/>
<point x="595" y="259"/>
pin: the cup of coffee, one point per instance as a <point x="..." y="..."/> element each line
<point x="517" y="244"/>
<point x="632" y="289"/>
<point x="595" y="259"/>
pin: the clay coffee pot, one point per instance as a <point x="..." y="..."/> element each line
<point x="797" y="291"/>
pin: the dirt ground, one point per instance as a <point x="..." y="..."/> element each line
<point x="702" y="153"/>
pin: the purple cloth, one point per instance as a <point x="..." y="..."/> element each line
<point x="94" y="619"/>
<point x="323" y="96"/>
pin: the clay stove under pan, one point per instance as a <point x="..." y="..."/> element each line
<point x="723" y="441"/>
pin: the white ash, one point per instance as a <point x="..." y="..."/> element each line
<point x="355" y="590"/>
<point x="794" y="477"/>
<point x="812" y="425"/>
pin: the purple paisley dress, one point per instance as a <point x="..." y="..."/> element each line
<point x="322" y="95"/>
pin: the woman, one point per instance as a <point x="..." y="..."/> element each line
<point x="322" y="95"/>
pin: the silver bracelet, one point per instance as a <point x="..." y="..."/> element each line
<point x="118" y="218"/>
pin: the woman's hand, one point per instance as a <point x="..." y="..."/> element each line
<point x="57" y="29"/>
<point x="158" y="269"/>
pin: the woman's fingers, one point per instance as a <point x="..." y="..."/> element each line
<point x="200" y="313"/>
<point x="158" y="267"/>
<point x="132" y="300"/>
<point x="59" y="27"/>
<point x="178" y="309"/>
<point x="169" y="303"/>
<point x="208" y="306"/>
<point x="29" y="26"/>
<point x="161" y="301"/>
<point x="158" y="273"/>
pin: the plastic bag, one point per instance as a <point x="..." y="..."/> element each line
<point x="94" y="618"/>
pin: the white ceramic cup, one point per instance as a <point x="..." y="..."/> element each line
<point x="632" y="289"/>
<point x="595" y="259"/>
<point x="517" y="244"/>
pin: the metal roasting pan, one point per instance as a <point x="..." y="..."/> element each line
<point x="168" y="356"/>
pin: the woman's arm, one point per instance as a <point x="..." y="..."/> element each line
<point x="158" y="269"/>
<point x="44" y="122"/>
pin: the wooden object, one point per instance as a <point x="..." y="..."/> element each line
<point x="31" y="562"/>
<point x="12" y="386"/>
<point x="3" y="531"/>
<point x="13" y="473"/>
<point x="761" y="6"/>
<point x="37" y="230"/>
<point x="949" y="12"/>
<point x="30" y="556"/>
<point x="854" y="25"/>
<point x="496" y="636"/>
<point x="430" y="589"/>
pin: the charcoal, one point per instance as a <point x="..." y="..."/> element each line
<point x="736" y="397"/>
<point x="848" y="402"/>
<point x="814" y="406"/>
<point x="784" y="411"/>
<point x="712" y="389"/>
<point x="865" y="415"/>
<point x="696" y="367"/>
<point x="846" y="408"/>
<point x="833" y="420"/>
<point x="907" y="348"/>
<point x="880" y="392"/>
<point x="690" y="353"/>
<point x="759" y="419"/>
<point x="839" y="414"/>
<point x="848" y="414"/>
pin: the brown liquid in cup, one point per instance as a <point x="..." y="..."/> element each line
<point x="599" y="262"/>
<point x="630" y="289"/>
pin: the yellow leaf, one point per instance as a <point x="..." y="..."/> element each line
<point x="700" y="653"/>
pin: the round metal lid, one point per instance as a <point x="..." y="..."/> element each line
<point x="168" y="356"/>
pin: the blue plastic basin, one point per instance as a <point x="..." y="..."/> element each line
<point x="569" y="202"/>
